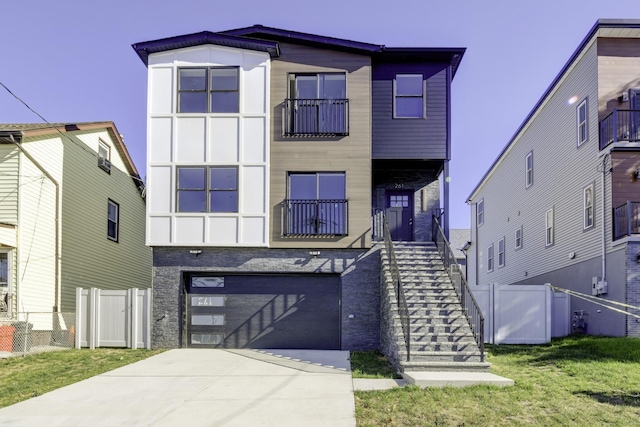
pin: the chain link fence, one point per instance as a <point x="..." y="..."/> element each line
<point x="30" y="333"/>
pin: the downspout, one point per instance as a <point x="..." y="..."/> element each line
<point x="602" y="211"/>
<point x="56" y="306"/>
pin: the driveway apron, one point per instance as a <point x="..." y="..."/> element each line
<point x="190" y="387"/>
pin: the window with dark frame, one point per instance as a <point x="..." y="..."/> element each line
<point x="529" y="170"/>
<point x="208" y="90"/>
<point x="4" y="269"/>
<point x="588" y="206"/>
<point x="582" y="117"/>
<point x="113" y="220"/>
<point x="207" y="189"/>
<point x="490" y="258"/>
<point x="408" y="96"/>
<point x="549" y="228"/>
<point x="518" y="238"/>
<point x="501" y="255"/>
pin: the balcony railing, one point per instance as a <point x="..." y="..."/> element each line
<point x="620" y="126"/>
<point x="315" y="117"/>
<point x="315" y="218"/>
<point x="626" y="220"/>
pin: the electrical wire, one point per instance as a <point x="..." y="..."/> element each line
<point x="598" y="301"/>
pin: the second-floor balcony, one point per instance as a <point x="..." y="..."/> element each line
<point x="626" y="220"/>
<point x="315" y="117"/>
<point x="620" y="126"/>
<point x="302" y="218"/>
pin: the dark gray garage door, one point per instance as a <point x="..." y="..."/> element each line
<point x="263" y="311"/>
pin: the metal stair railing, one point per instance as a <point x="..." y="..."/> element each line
<point x="469" y="304"/>
<point x="403" y="308"/>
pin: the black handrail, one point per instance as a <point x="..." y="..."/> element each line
<point x="620" y="126"/>
<point x="323" y="217"/>
<point x="403" y="308"/>
<point x="469" y="304"/>
<point x="626" y="220"/>
<point x="315" y="117"/>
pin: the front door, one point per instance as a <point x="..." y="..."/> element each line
<point x="400" y="214"/>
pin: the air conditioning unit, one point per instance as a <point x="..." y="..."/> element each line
<point x="104" y="164"/>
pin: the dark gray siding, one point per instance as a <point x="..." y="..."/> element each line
<point x="409" y="138"/>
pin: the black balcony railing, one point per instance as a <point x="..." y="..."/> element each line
<point x="620" y="126"/>
<point x="315" y="218"/>
<point x="626" y="220"/>
<point x="315" y="117"/>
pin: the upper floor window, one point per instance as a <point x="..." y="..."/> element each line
<point x="208" y="90"/>
<point x="529" y="169"/>
<point x="501" y="256"/>
<point x="104" y="156"/>
<point x="490" y="258"/>
<point x="317" y="105"/>
<point x="480" y="213"/>
<point x="587" y="200"/>
<point x="207" y="189"/>
<point x="408" y="96"/>
<point x="518" y="239"/>
<point x="549" y="228"/>
<point x="113" y="220"/>
<point x="582" y="118"/>
<point x="317" y="204"/>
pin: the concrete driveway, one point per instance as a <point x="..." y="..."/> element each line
<point x="191" y="387"/>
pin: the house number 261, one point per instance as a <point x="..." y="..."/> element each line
<point x="396" y="185"/>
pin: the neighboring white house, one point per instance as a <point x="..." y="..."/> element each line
<point x="72" y="214"/>
<point x="560" y="204"/>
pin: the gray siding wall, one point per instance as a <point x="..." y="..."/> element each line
<point x="409" y="138"/>
<point x="359" y="280"/>
<point x="561" y="170"/>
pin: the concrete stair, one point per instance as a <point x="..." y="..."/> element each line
<point x="441" y="338"/>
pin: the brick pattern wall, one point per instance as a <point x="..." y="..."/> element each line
<point x="633" y="288"/>
<point x="359" y="276"/>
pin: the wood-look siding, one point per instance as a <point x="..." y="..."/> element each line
<point x="9" y="171"/>
<point x="350" y="154"/>
<point x="618" y="71"/>
<point x="624" y="185"/>
<point x="561" y="170"/>
<point x="410" y="138"/>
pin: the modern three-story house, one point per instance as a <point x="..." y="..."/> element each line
<point x="560" y="203"/>
<point x="270" y="155"/>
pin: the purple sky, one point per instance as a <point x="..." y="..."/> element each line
<point x="72" y="60"/>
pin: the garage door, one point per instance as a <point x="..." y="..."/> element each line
<point x="263" y="311"/>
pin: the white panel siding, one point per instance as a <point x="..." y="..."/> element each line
<point x="234" y="139"/>
<point x="161" y="98"/>
<point x="253" y="147"/>
<point x="253" y="231"/>
<point x="161" y="134"/>
<point x="190" y="139"/>
<point x="223" y="146"/>
<point x="560" y="172"/>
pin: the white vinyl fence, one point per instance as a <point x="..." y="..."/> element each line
<point x="522" y="314"/>
<point x="113" y="318"/>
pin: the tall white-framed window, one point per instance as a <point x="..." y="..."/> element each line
<point x="518" y="238"/>
<point x="490" y="258"/>
<point x="582" y="121"/>
<point x="480" y="213"/>
<point x="501" y="255"/>
<point x="549" y="227"/>
<point x="587" y="206"/>
<point x="408" y="96"/>
<point x="528" y="161"/>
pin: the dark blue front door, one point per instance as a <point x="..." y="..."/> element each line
<point x="400" y="214"/>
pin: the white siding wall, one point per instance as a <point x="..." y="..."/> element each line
<point x="208" y="139"/>
<point x="561" y="171"/>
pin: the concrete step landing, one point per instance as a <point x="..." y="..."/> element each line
<point x="454" y="379"/>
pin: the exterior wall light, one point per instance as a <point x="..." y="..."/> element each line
<point x="314" y="253"/>
<point x="195" y="252"/>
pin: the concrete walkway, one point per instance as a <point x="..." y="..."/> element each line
<point x="204" y="388"/>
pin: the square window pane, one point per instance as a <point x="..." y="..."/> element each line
<point x="192" y="79"/>
<point x="223" y="179"/>
<point x="225" y="102"/>
<point x="192" y="201"/>
<point x="302" y="186"/>
<point x="409" y="85"/>
<point x="103" y="151"/>
<point x="112" y="230"/>
<point x="191" y="178"/>
<point x="331" y="186"/>
<point x="333" y="86"/>
<point x="409" y="107"/>
<point x="192" y="102"/>
<point x="224" y="79"/>
<point x="223" y="201"/>
<point x="112" y="212"/>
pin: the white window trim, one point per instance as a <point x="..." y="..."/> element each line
<point x="516" y="245"/>
<point x="586" y="226"/>
<point x="549" y="228"/>
<point x="424" y="97"/>
<point x="579" y="124"/>
<point x="528" y="170"/>
<point x="490" y="259"/>
<point x="480" y="213"/>
<point x="501" y="253"/>
<point x="107" y="148"/>
<point x="117" y="221"/>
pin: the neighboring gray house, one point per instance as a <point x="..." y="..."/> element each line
<point x="459" y="239"/>
<point x="561" y="203"/>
